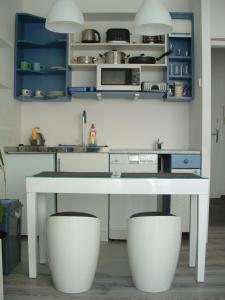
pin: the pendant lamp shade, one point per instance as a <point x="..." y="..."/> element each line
<point x="65" y="17"/>
<point x="152" y="18"/>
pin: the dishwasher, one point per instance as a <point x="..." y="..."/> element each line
<point x="121" y="207"/>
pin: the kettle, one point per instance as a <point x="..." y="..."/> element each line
<point x="90" y="36"/>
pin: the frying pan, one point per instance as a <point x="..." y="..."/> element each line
<point x="142" y="59"/>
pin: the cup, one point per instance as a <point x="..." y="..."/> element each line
<point x="25" y="65"/>
<point x="171" y="69"/>
<point x="185" y="69"/>
<point x="39" y="93"/>
<point x="176" y="69"/>
<point x="26" y="92"/>
<point x="178" y="52"/>
<point x="38" y="66"/>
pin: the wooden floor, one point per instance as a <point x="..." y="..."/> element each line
<point x="113" y="279"/>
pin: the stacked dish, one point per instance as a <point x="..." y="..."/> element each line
<point x="55" y="94"/>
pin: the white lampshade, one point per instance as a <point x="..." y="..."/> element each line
<point x="65" y="17"/>
<point x="152" y="18"/>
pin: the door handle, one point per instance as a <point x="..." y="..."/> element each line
<point x="216" y="134"/>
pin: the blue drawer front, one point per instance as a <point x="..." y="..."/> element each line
<point x="185" y="161"/>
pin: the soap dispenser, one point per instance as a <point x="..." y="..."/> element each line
<point x="92" y="139"/>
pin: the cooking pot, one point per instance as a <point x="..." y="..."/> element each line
<point x="114" y="57"/>
<point x="149" y="39"/>
<point x="119" y="35"/>
<point x="85" y="59"/>
<point x="142" y="59"/>
<point x="90" y="36"/>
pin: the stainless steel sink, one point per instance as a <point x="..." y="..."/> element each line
<point x="81" y="148"/>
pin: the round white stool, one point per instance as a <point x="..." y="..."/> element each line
<point x="73" y="250"/>
<point x="153" y="243"/>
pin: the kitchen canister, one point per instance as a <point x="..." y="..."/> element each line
<point x="178" y="89"/>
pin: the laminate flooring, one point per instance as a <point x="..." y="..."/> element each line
<point x="113" y="279"/>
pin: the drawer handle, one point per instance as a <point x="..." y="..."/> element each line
<point x="186" y="161"/>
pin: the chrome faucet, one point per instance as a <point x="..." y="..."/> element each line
<point x="84" y="121"/>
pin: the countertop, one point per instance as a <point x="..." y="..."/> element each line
<point x="163" y="151"/>
<point x="99" y="149"/>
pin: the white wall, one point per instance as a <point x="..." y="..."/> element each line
<point x="120" y="123"/>
<point x="217" y="9"/>
<point x="9" y="108"/>
<point x="41" y="7"/>
<point x="196" y="105"/>
<point x="206" y="87"/>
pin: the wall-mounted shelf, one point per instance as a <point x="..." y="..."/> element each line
<point x="99" y="95"/>
<point x="179" y="57"/>
<point x="36" y="44"/>
<point x="180" y="68"/>
<point x="93" y="66"/>
<point x="42" y="72"/>
<point x="180" y="76"/>
<point x="59" y="43"/>
<point x="120" y="46"/>
<point x="178" y="99"/>
<point x="43" y="99"/>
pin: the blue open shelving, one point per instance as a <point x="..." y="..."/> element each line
<point x="33" y="43"/>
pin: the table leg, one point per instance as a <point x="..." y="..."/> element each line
<point x="193" y="230"/>
<point x="203" y="203"/>
<point x="32" y="233"/>
<point x="42" y="225"/>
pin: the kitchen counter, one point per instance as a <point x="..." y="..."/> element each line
<point x="80" y="149"/>
<point x="163" y="151"/>
<point x="27" y="149"/>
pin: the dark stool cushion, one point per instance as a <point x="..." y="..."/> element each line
<point x="3" y="234"/>
<point x="150" y="214"/>
<point x="72" y="214"/>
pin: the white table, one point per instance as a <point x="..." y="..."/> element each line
<point x="197" y="188"/>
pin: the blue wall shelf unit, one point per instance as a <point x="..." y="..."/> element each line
<point x="33" y="43"/>
<point x="180" y="68"/>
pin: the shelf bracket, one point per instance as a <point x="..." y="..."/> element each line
<point x="99" y="96"/>
<point x="136" y="96"/>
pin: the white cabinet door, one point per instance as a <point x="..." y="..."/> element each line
<point x="180" y="204"/>
<point x="18" y="166"/>
<point x="94" y="204"/>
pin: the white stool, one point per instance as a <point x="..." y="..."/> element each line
<point x="73" y="250"/>
<point x="153" y="243"/>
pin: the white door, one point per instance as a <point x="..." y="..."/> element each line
<point x="218" y="124"/>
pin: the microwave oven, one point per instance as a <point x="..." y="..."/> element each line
<point x="111" y="77"/>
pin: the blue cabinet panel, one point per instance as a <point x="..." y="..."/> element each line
<point x="180" y="69"/>
<point x="33" y="43"/>
<point x="185" y="161"/>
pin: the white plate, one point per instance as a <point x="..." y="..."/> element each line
<point x="118" y="42"/>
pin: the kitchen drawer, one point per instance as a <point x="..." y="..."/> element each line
<point x="125" y="159"/>
<point x="185" y="161"/>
